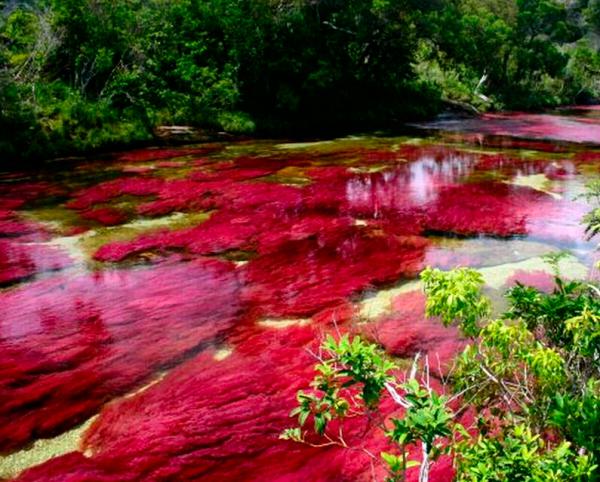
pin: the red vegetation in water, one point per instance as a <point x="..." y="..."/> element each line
<point x="541" y="280"/>
<point x="14" y="194"/>
<point x="212" y="420"/>
<point x="510" y="166"/>
<point x="109" y="190"/>
<point x="231" y="174"/>
<point x="260" y="216"/>
<point x="178" y="195"/>
<point x="21" y="259"/>
<point x="21" y="253"/>
<point x="290" y="280"/>
<point x="587" y="156"/>
<point x="105" y="216"/>
<point x="145" y="155"/>
<point x="71" y="344"/>
<point x="406" y="332"/>
<point x="9" y="226"/>
<point x="506" y="142"/>
<point x="561" y="171"/>
<point x="495" y="209"/>
<point x="251" y="210"/>
<point x="8" y="203"/>
<point x="529" y="126"/>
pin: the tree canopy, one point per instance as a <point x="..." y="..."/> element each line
<point x="81" y="74"/>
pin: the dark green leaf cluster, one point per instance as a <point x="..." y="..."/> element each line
<point x="348" y="364"/>
<point x="532" y="378"/>
<point x="77" y="75"/>
<point x="362" y="363"/>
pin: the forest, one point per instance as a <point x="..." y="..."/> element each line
<point x="83" y="75"/>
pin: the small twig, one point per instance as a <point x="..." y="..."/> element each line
<point x="413" y="370"/>
<point x="339" y="29"/>
<point x="424" y="471"/>
<point x="396" y="396"/>
<point x="594" y="289"/>
<point x="428" y="385"/>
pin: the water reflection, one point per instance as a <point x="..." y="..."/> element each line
<point x="91" y="312"/>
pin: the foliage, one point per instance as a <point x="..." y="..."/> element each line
<point x="517" y="454"/>
<point x="456" y="296"/>
<point x="515" y="48"/>
<point x="547" y="314"/>
<point x="352" y="376"/>
<point x="83" y="74"/>
<point x="592" y="219"/>
<point x="345" y="363"/>
<point x="531" y="377"/>
<point x="577" y="417"/>
<point x="427" y="418"/>
<point x="542" y="369"/>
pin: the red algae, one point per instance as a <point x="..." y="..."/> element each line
<point x="495" y="209"/>
<point x="11" y="227"/>
<point x="289" y="281"/>
<point x="407" y="331"/>
<point x="576" y="129"/>
<point x="541" y="280"/>
<point x="150" y="154"/>
<point x="15" y="194"/>
<point x="161" y="434"/>
<point x="251" y="209"/>
<point x="563" y="171"/>
<point x="507" y="143"/>
<point x="587" y="156"/>
<point x="255" y="215"/>
<point x="106" y="216"/>
<point x="71" y="344"/>
<point x="358" y="221"/>
<point x="20" y="260"/>
<point x="178" y="195"/>
<point x="109" y="190"/>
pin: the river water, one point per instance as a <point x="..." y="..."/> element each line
<point x="158" y="306"/>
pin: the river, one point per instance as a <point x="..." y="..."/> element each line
<point x="158" y="306"/>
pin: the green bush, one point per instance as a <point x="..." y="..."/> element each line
<point x="532" y="378"/>
<point x="119" y="69"/>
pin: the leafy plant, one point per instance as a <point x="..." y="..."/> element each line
<point x="592" y="219"/>
<point x="518" y="454"/>
<point x="456" y="297"/>
<point x="344" y="364"/>
<point x="352" y="376"/>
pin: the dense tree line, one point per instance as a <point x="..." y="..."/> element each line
<point x="81" y="74"/>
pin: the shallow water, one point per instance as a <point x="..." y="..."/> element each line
<point x="173" y="293"/>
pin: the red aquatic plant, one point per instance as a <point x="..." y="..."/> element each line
<point x="70" y="344"/>
<point x="245" y="401"/>
<point x="576" y="129"/>
<point x="152" y="154"/>
<point x="109" y="190"/>
<point x="20" y="259"/>
<point x="406" y="331"/>
<point x="290" y="280"/>
<point x="106" y="216"/>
